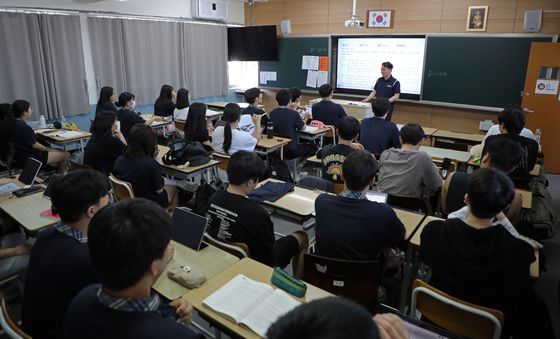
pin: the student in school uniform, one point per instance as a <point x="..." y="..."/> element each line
<point x="235" y="218"/>
<point x="229" y="139"/>
<point x="332" y="156"/>
<point x="295" y="104"/>
<point x="59" y="266"/>
<point x="25" y="141"/>
<point x="376" y="133"/>
<point x="196" y="126"/>
<point x="107" y="99"/>
<point x="130" y="247"/>
<point x="495" y="129"/>
<point x="368" y="225"/>
<point x="253" y="96"/>
<point x="165" y="105"/>
<point x="408" y="171"/>
<point x="287" y="122"/>
<point x="126" y="115"/>
<point x="325" y="110"/>
<point x="106" y="143"/>
<point x="474" y="261"/>
<point x="182" y="108"/>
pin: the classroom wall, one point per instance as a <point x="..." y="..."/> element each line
<point x="420" y="16"/>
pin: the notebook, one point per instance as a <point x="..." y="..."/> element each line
<point x="188" y="228"/>
<point x="30" y="170"/>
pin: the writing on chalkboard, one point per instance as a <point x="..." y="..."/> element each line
<point x="317" y="49"/>
<point x="437" y="74"/>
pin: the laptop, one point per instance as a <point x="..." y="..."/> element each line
<point x="188" y="228"/>
<point x="29" y="172"/>
<point x="377" y="196"/>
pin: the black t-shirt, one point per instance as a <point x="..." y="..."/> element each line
<point x="252" y="110"/>
<point x="23" y="138"/>
<point x="378" y="134"/>
<point x="101" y="153"/>
<point x="332" y="157"/>
<point x="164" y="107"/>
<point x="145" y="177"/>
<point x="128" y="119"/>
<point x="107" y="106"/>
<point x="235" y="218"/>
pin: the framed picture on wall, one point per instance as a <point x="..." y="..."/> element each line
<point x="380" y="19"/>
<point x="476" y="18"/>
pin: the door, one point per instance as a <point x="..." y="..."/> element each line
<point x="541" y="100"/>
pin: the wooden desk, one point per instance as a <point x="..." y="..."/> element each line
<point x="300" y="202"/>
<point x="210" y="261"/>
<point x="473" y="138"/>
<point x="357" y="109"/>
<point x="526" y="198"/>
<point x="181" y="172"/>
<point x="62" y="137"/>
<point x="266" y="146"/>
<point x="253" y="270"/>
<point x="310" y="133"/>
<point x="315" y="160"/>
<point x="410" y="220"/>
<point x="222" y="104"/>
<point x="438" y="154"/>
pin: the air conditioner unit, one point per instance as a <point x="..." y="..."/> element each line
<point x="210" y="9"/>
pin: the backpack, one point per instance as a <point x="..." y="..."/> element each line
<point x="544" y="215"/>
<point x="181" y="151"/>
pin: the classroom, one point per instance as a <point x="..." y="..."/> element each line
<point x="279" y="168"/>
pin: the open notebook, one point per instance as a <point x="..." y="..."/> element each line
<point x="251" y="303"/>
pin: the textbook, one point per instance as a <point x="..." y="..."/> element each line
<point x="251" y="303"/>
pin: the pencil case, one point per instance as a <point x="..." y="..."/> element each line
<point x="288" y="283"/>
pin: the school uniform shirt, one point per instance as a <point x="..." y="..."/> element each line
<point x="407" y="173"/>
<point x="235" y="218"/>
<point x="107" y="106"/>
<point x="378" y="135"/>
<point x="101" y="152"/>
<point x="287" y="122"/>
<point x="386" y="89"/>
<point x="59" y="267"/>
<point x="240" y="141"/>
<point x="181" y="114"/>
<point x="350" y="227"/>
<point x="144" y="175"/>
<point x="23" y="139"/>
<point x="328" y="112"/>
<point x="332" y="157"/>
<point x="97" y="314"/>
<point x="128" y="119"/>
<point x="246" y="120"/>
<point x="164" y="108"/>
<point x="495" y="130"/>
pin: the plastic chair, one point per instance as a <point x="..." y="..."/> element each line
<point x="338" y="188"/>
<point x="122" y="189"/>
<point x="331" y="133"/>
<point x="238" y="249"/>
<point x="455" y="315"/>
<point x="223" y="158"/>
<point x="10" y="327"/>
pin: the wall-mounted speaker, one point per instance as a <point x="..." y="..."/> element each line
<point x="533" y="20"/>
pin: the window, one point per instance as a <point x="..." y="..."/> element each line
<point x="243" y="74"/>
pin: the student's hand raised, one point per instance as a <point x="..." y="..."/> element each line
<point x="184" y="310"/>
<point x="390" y="326"/>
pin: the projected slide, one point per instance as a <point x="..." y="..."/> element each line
<point x="359" y="62"/>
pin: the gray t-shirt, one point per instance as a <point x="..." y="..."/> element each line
<point x="405" y="173"/>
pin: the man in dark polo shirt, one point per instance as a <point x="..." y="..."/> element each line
<point x="59" y="265"/>
<point x="387" y="87"/>
<point x="325" y="110"/>
<point x="376" y="133"/>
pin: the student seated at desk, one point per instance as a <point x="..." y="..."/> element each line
<point x="332" y="156"/>
<point x="126" y="115"/>
<point x="235" y="218"/>
<point x="129" y="244"/>
<point x="165" y="105"/>
<point x="286" y="122"/>
<point x="512" y="123"/>
<point x="295" y="104"/>
<point x="139" y="167"/>
<point x="182" y="108"/>
<point x="325" y="110"/>
<point x="106" y="143"/>
<point x="408" y="171"/>
<point x="495" y="129"/>
<point x="485" y="265"/>
<point x="107" y="99"/>
<point x="254" y="97"/>
<point x="229" y="139"/>
<point x="196" y="126"/>
<point x="25" y="141"/>
<point x="349" y="226"/>
<point x="59" y="266"/>
<point x="376" y="133"/>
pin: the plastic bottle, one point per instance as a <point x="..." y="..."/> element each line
<point x="62" y="120"/>
<point x="269" y="130"/>
<point x="42" y="121"/>
<point x="538" y="135"/>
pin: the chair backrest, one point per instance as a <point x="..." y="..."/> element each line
<point x="356" y="280"/>
<point x="238" y="249"/>
<point x="315" y="183"/>
<point x="121" y="188"/>
<point x="414" y="204"/>
<point x="338" y="188"/>
<point x="179" y="125"/>
<point x="10" y="327"/>
<point x="224" y="160"/>
<point x="331" y="133"/>
<point x="455" y="315"/>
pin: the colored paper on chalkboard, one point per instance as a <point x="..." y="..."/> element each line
<point x="324" y="63"/>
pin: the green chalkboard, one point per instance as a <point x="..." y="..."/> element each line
<point x="480" y="71"/>
<point x="288" y="67"/>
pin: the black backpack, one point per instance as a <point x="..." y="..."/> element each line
<point x="181" y="151"/>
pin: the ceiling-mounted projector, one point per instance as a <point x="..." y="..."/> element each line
<point x="354" y="22"/>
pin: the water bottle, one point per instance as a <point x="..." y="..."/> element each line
<point x="538" y="135"/>
<point x="63" y="120"/>
<point x="269" y="130"/>
<point x="42" y="121"/>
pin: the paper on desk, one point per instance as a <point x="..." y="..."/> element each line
<point x="67" y="134"/>
<point x="322" y="78"/>
<point x="311" y="79"/>
<point x="43" y="130"/>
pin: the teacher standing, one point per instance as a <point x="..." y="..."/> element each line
<point x="386" y="86"/>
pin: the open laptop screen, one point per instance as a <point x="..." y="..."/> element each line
<point x="188" y="228"/>
<point x="30" y="170"/>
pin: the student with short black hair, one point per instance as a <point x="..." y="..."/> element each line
<point x="474" y="261"/>
<point x="325" y="110"/>
<point x="253" y="96"/>
<point x="126" y="115"/>
<point x="182" y="107"/>
<point x="59" y="266"/>
<point x="107" y="99"/>
<point x="376" y="133"/>
<point x="130" y="247"/>
<point x="24" y="140"/>
<point x="332" y="156"/>
<point x="106" y="143"/>
<point x="235" y="218"/>
<point x="408" y="171"/>
<point x="165" y="105"/>
<point x="368" y="226"/>
<point x="229" y="139"/>
<point x="295" y="104"/>
<point x="196" y="126"/>
<point x="139" y="167"/>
